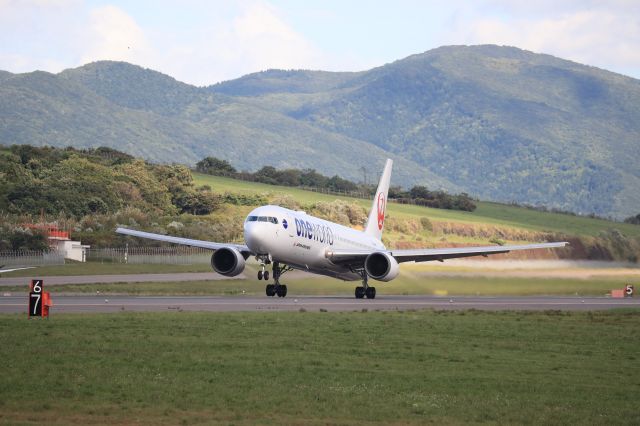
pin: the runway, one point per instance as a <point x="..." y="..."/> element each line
<point x="95" y="304"/>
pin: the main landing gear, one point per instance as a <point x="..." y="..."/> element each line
<point x="276" y="288"/>
<point x="365" y="290"/>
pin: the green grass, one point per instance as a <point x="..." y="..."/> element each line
<point x="224" y="184"/>
<point x="96" y="268"/>
<point x="486" y="213"/>
<point x="321" y="368"/>
<point x="531" y="219"/>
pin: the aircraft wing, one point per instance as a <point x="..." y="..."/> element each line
<point x="182" y="241"/>
<point x="354" y="257"/>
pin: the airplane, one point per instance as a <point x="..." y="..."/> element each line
<point x="289" y="240"/>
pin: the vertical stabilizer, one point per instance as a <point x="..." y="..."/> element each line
<point x="375" y="223"/>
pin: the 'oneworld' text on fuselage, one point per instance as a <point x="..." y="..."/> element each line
<point x="314" y="231"/>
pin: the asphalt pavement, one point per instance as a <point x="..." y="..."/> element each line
<point x="96" y="303"/>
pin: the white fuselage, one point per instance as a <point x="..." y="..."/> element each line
<point x="301" y="241"/>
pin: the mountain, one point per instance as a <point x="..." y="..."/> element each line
<point x="498" y="122"/>
<point x="151" y="115"/>
<point x="5" y="75"/>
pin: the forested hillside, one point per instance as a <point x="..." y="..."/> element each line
<point x="496" y="122"/>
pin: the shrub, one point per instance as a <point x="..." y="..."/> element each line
<point x="286" y="201"/>
<point x="341" y="212"/>
<point x="426" y="224"/>
<point x="498" y="241"/>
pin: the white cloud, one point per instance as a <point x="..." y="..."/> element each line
<point x="256" y="39"/>
<point x="268" y="41"/>
<point x="114" y="35"/>
<point x="228" y="42"/>
<point x="606" y="36"/>
<point x="37" y="34"/>
<point x="25" y="63"/>
<point x="12" y="4"/>
<point x="205" y="41"/>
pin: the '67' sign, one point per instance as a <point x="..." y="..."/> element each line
<point x="35" y="298"/>
<point x="39" y="300"/>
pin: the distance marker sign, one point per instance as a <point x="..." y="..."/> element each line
<point x="35" y="298"/>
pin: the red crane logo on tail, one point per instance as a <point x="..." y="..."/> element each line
<point x="381" y="206"/>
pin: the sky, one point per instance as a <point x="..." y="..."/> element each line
<point x="204" y="42"/>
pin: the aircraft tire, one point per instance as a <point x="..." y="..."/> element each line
<point x="266" y="275"/>
<point x="359" y="292"/>
<point x="260" y="275"/>
<point x="282" y="290"/>
<point x="370" y="293"/>
<point x="271" y="291"/>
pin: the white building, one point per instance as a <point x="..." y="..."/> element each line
<point x="72" y="250"/>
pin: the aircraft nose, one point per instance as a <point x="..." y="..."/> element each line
<point x="254" y="238"/>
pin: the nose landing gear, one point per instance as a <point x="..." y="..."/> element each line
<point x="262" y="273"/>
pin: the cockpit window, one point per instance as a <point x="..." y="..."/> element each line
<point x="263" y="219"/>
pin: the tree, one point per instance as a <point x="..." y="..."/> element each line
<point x="634" y="220"/>
<point x="419" y="191"/>
<point x="22" y="239"/>
<point x="197" y="202"/>
<point x="267" y="174"/>
<point x="338" y="184"/>
<point x="215" y="166"/>
<point x="396" y="192"/>
<point x="310" y="177"/>
<point x="289" y="177"/>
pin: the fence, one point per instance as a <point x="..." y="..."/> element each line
<point x="354" y="194"/>
<point x="363" y="195"/>
<point x="150" y="255"/>
<point x="30" y="258"/>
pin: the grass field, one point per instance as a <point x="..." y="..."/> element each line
<point x="319" y="368"/>
<point x="487" y="212"/>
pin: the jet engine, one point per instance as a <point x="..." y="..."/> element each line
<point x="227" y="261"/>
<point x="381" y="266"/>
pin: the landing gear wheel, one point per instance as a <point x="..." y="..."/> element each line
<point x="260" y="275"/>
<point x="359" y="292"/>
<point x="281" y="290"/>
<point x="271" y="290"/>
<point x="370" y="292"/>
<point x="266" y="275"/>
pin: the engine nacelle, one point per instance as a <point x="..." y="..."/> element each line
<point x="227" y="261"/>
<point x="381" y="266"/>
